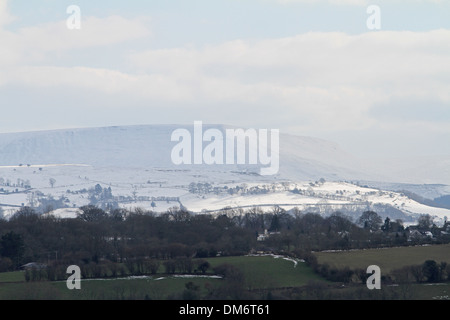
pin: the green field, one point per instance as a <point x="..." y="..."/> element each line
<point x="111" y="289"/>
<point x="387" y="259"/>
<point x="260" y="272"/>
<point x="415" y="291"/>
<point x="16" y="276"/>
<point x="263" y="272"/>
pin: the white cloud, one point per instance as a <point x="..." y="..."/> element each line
<point x="5" y="16"/>
<point x="94" y="32"/>
<point x="336" y="2"/>
<point x="331" y="79"/>
<point x="318" y="82"/>
<point x="35" y="43"/>
<point x="356" y="2"/>
<point x="322" y="81"/>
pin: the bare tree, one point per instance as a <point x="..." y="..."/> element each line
<point x="370" y="220"/>
<point x="425" y="222"/>
<point x="52" y="182"/>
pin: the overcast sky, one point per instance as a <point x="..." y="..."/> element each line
<point x="306" y="67"/>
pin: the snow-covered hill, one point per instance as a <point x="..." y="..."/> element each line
<point x="135" y="163"/>
<point x="301" y="158"/>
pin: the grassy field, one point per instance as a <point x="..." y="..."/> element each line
<point x="399" y="292"/>
<point x="387" y="259"/>
<point x="260" y="272"/>
<point x="16" y="276"/>
<point x="263" y="272"/>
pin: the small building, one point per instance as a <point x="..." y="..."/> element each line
<point x="428" y="234"/>
<point x="415" y="234"/>
<point x="265" y="235"/>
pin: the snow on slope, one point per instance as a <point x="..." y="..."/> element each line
<point x="150" y="146"/>
<point x="415" y="170"/>
<point x="135" y="162"/>
<point x="108" y="146"/>
<point x="306" y="158"/>
<point x="327" y="197"/>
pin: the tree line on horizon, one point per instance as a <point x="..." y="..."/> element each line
<point x="97" y="236"/>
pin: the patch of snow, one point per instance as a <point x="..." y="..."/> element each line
<point x="276" y="256"/>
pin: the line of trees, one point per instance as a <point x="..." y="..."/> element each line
<point x="136" y="238"/>
<point x="428" y="272"/>
<point x="97" y="236"/>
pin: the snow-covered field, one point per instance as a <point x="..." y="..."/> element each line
<point x="159" y="190"/>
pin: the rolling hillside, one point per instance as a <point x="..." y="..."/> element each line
<point x="135" y="163"/>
